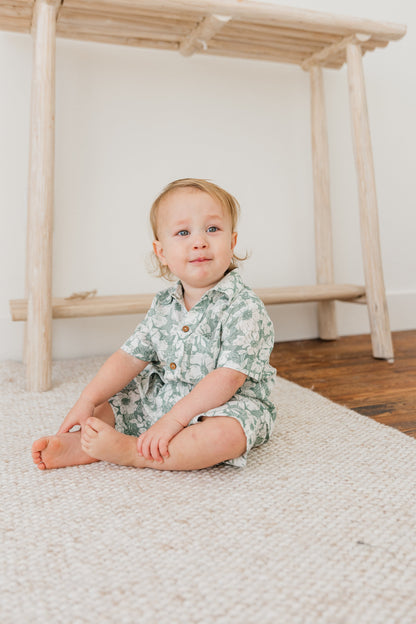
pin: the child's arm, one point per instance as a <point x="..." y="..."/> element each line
<point x="212" y="391"/>
<point x="116" y="372"/>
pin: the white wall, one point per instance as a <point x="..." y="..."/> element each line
<point x="130" y="120"/>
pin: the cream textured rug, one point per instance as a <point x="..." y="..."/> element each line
<point x="319" y="528"/>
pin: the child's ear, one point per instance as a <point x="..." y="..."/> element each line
<point x="233" y="240"/>
<point x="157" y="248"/>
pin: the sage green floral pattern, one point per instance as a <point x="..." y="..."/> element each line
<point x="229" y="327"/>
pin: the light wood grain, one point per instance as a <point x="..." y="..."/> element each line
<point x="127" y="41"/>
<point x="199" y="37"/>
<point x="256" y="30"/>
<point x="40" y="199"/>
<point x="322" y="205"/>
<point x="370" y="237"/>
<point x="289" y="17"/>
<point x="319" y="58"/>
<point x="138" y="304"/>
<point x="72" y="23"/>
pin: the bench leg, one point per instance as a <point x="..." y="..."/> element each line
<point x="38" y="339"/>
<point x="370" y="236"/>
<point x="322" y="207"/>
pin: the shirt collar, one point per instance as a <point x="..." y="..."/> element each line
<point x="230" y="285"/>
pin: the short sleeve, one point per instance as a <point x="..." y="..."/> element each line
<point x="247" y="337"/>
<point x="141" y="343"/>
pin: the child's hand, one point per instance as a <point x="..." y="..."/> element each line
<point x="78" y="415"/>
<point x="154" y="443"/>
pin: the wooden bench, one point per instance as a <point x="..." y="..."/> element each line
<point x="230" y="28"/>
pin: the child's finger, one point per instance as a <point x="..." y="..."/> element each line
<point x="154" y="449"/>
<point x="163" y="448"/>
<point x="64" y="428"/>
<point x="146" y="448"/>
<point x="144" y="445"/>
<point x="140" y="444"/>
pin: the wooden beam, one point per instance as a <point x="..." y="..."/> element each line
<point x="319" y="58"/>
<point x="370" y="237"/>
<point x="16" y="17"/>
<point x="307" y="294"/>
<point x="259" y="12"/>
<point x="38" y="348"/>
<point x="250" y="51"/>
<point x="322" y="205"/>
<point x="116" y="40"/>
<point x="138" y="304"/>
<point x="198" y="39"/>
<point x="121" y="26"/>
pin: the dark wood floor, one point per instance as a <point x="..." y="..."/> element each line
<point x="345" y="372"/>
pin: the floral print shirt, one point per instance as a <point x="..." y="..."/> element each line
<point x="229" y="327"/>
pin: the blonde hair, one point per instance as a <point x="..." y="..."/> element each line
<point x="227" y="201"/>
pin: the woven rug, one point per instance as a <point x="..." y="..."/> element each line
<point x="319" y="528"/>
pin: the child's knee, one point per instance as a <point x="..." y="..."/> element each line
<point x="230" y="436"/>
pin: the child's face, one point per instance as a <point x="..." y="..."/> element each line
<point x="195" y="239"/>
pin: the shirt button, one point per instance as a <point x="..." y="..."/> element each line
<point x="185" y="328"/>
<point x="172" y="365"/>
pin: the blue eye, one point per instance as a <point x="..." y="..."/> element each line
<point x="183" y="233"/>
<point x="213" y="228"/>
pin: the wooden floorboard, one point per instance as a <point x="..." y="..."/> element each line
<point x="345" y="372"/>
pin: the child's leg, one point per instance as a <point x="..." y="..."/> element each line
<point x="59" y="451"/>
<point x="204" y="444"/>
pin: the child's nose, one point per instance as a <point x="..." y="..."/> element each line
<point x="199" y="241"/>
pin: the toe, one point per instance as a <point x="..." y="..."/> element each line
<point x="39" y="445"/>
<point x="36" y="457"/>
<point x="37" y="448"/>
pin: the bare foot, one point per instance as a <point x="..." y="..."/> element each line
<point x="101" y="441"/>
<point x="59" y="451"/>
